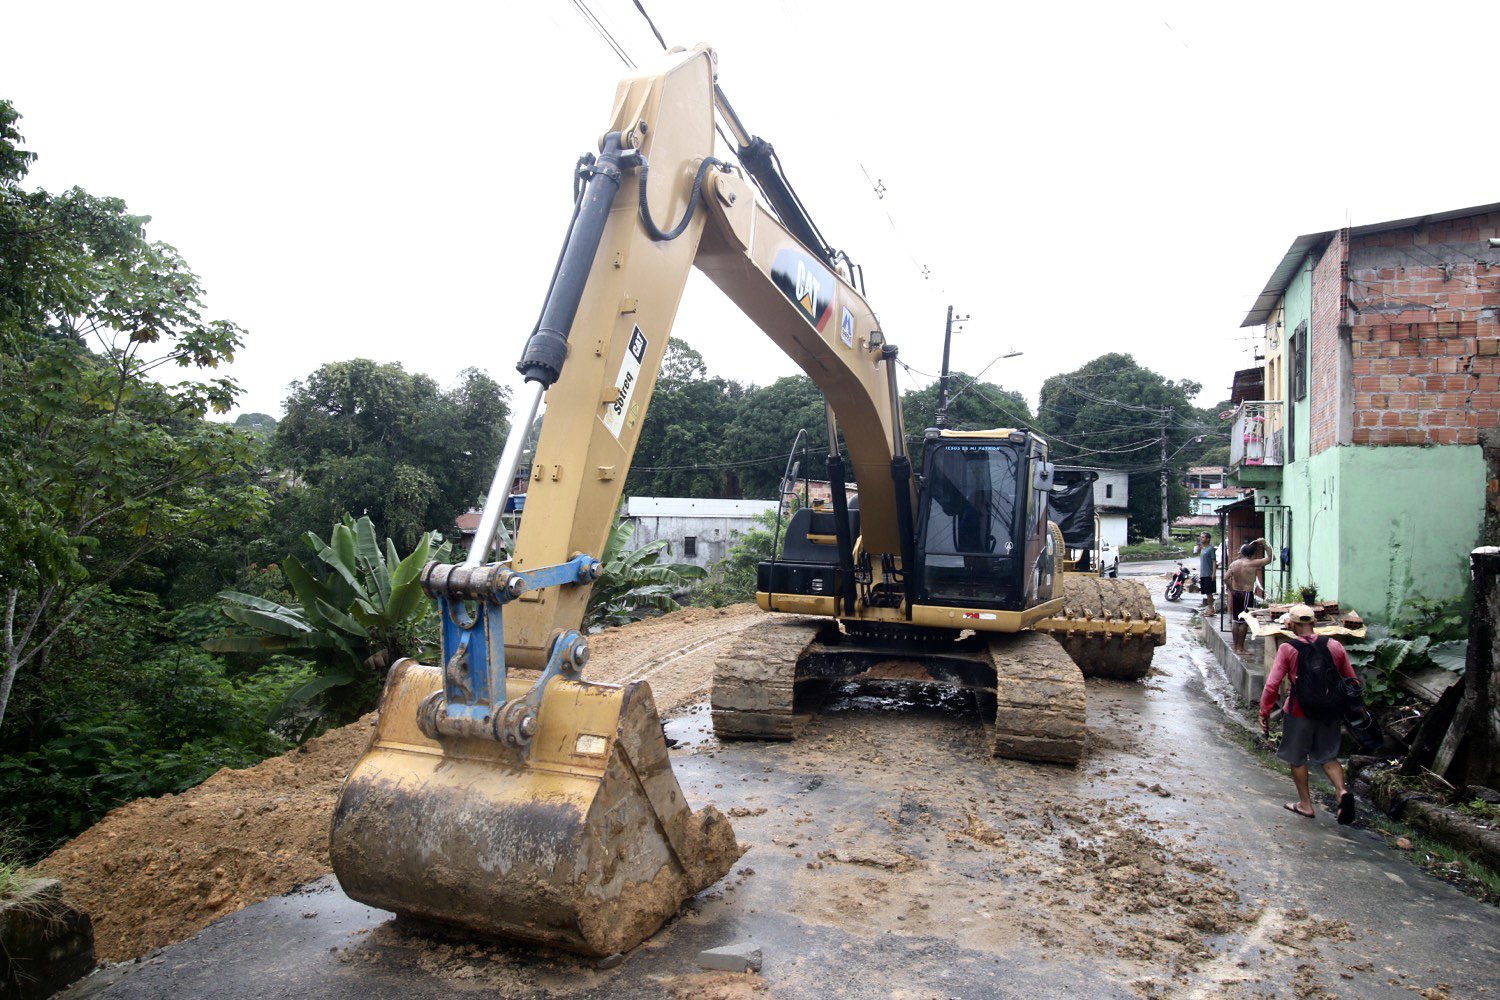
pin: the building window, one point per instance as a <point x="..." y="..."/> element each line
<point x="1298" y="362"/>
<point x="1109" y="491"/>
<point x="690" y="546"/>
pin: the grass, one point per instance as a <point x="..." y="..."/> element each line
<point x="1148" y="551"/>
<point x="13" y="874"/>
<point x="1442" y="861"/>
<point x="1482" y="811"/>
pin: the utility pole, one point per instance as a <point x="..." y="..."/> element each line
<point x="1166" y="520"/>
<point x="942" y="407"/>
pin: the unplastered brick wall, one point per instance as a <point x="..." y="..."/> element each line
<point x="1424" y="306"/>
<point x="1326" y="374"/>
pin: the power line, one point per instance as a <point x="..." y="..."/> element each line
<point x="588" y="16"/>
<point x="742" y="463"/>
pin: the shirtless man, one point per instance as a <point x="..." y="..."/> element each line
<point x="1241" y="578"/>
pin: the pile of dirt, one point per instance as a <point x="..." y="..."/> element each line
<point x="157" y="871"/>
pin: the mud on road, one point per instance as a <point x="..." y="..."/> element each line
<point x="887" y="856"/>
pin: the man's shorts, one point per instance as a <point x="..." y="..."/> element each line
<point x="1206" y="586"/>
<point x="1240" y="600"/>
<point x="1309" y="741"/>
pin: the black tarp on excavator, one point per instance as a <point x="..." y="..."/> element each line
<point x="1072" y="506"/>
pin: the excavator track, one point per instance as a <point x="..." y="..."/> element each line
<point x="1041" y="704"/>
<point x="1110" y="628"/>
<point x="754" y="693"/>
<point x="1038" y="693"/>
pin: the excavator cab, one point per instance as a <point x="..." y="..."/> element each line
<point x="982" y="530"/>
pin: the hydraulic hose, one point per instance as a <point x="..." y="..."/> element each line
<point x="652" y="229"/>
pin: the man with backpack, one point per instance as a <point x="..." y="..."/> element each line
<point x="1315" y="668"/>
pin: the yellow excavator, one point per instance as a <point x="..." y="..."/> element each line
<point x="501" y="791"/>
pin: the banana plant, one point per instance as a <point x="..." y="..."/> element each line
<point x="352" y="619"/>
<point x="634" y="581"/>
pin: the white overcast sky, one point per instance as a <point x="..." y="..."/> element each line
<point x="393" y="180"/>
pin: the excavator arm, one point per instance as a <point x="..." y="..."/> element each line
<point x="541" y="806"/>
<point x="621" y="294"/>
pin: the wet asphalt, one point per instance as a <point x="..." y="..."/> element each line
<point x="1411" y="932"/>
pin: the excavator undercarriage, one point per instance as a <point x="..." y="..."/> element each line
<point x="1027" y="686"/>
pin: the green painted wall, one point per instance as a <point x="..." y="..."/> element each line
<point x="1374" y="527"/>
<point x="1409" y="517"/>
<point x="1288" y="485"/>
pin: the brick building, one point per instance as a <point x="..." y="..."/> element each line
<point x="1381" y="394"/>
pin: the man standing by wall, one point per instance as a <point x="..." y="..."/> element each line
<point x="1241" y="578"/>
<point x="1312" y="716"/>
<point x="1205" y="550"/>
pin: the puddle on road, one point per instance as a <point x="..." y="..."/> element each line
<point x="901" y="697"/>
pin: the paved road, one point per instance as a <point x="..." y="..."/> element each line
<point x="1322" y="910"/>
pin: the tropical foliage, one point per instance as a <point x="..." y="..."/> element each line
<point x="1423" y="634"/>
<point x="364" y="611"/>
<point x="635" y="582"/>
<point x="104" y="459"/>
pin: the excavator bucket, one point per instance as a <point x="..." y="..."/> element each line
<point x="586" y="844"/>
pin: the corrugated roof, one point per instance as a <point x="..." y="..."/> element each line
<point x="1303" y="245"/>
<point x="692" y="507"/>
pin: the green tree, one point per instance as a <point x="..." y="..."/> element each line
<point x="682" y="451"/>
<point x="1112" y="413"/>
<point x="972" y="406"/>
<point x="260" y="424"/>
<point x="103" y="459"/>
<point x="764" y="429"/>
<point x="364" y="438"/>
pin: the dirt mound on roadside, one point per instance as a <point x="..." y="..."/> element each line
<point x="157" y="871"/>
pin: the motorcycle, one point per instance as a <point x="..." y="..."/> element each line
<point x="1182" y="578"/>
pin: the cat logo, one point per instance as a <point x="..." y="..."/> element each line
<point x="616" y="409"/>
<point x="807" y="289"/>
<point x="807" y="283"/>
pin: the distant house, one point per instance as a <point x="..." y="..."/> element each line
<point x="814" y="491"/>
<point x="1206" y="477"/>
<point x="699" y="532"/>
<point x="1374" y="434"/>
<point x="1208" y="490"/>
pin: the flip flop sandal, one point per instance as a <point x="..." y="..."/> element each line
<point x="1292" y="807"/>
<point x="1346" y="808"/>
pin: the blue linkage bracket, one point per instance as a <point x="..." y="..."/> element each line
<point x="474" y="701"/>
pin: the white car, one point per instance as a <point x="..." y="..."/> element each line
<point x="1109" y="559"/>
